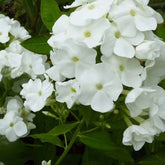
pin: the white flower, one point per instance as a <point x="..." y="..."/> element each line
<point x="69" y="60"/>
<point x="4" y="31"/>
<point x="78" y="3"/>
<point x="33" y="64"/>
<point x="88" y="34"/>
<point x="15" y="104"/>
<point x="157" y="113"/>
<point x="46" y="163"/>
<point x="36" y="93"/>
<point x="99" y="88"/>
<point x="11" y="60"/>
<point x="135" y="14"/>
<point x="91" y="11"/>
<point x="67" y="92"/>
<point x="139" y="99"/>
<point x="129" y="70"/>
<point x="136" y="136"/>
<point x="148" y="50"/>
<point x="12" y="126"/>
<point x="121" y="44"/>
<point x="155" y="72"/>
<point x="18" y="31"/>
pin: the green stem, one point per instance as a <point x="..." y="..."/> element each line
<point x="127" y="121"/>
<point x="125" y="92"/>
<point x="74" y="137"/>
<point x="157" y="4"/>
<point x="91" y="130"/>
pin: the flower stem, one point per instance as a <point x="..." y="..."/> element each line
<point x="157" y="4"/>
<point x="74" y="137"/>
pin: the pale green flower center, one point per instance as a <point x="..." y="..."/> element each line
<point x="40" y="93"/>
<point x="11" y="124"/>
<point x="121" y="67"/>
<point x="91" y="7"/>
<point x="133" y="13"/>
<point x="87" y="34"/>
<point x="75" y="59"/>
<point x="117" y="34"/>
<point x="99" y="86"/>
<point x="73" y="90"/>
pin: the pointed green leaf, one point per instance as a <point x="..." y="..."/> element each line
<point x="102" y="141"/>
<point x="50" y="12"/>
<point x="37" y="45"/>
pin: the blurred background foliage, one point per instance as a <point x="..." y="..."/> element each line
<point x="91" y="148"/>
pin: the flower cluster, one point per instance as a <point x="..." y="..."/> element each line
<point x="17" y="116"/>
<point x="105" y="49"/>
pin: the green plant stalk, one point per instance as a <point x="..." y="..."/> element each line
<point x="157" y="4"/>
<point x="74" y="137"/>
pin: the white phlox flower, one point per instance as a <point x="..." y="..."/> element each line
<point x="71" y="60"/>
<point x="115" y="41"/>
<point x="92" y="11"/>
<point x="46" y="163"/>
<point x="129" y="70"/>
<point x="12" y="126"/>
<point x="88" y="34"/>
<point x="67" y="92"/>
<point x="36" y="93"/>
<point x="77" y="3"/>
<point x="137" y="13"/>
<point x="99" y="88"/>
<point x="137" y="136"/>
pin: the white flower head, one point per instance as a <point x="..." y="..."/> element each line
<point x="67" y="92"/>
<point x="12" y="126"/>
<point x="129" y="70"/>
<point x="115" y="41"/>
<point x="91" y="11"/>
<point x="46" y="163"/>
<point x="36" y="93"/>
<point x="99" y="88"/>
<point x="72" y="58"/>
<point x="136" y="136"/>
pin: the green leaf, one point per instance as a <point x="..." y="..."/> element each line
<point x="62" y="129"/>
<point x="95" y="157"/>
<point x="157" y="159"/>
<point x="37" y="45"/>
<point x="48" y="138"/>
<point x="51" y="136"/>
<point x="103" y="142"/>
<point x="50" y="12"/>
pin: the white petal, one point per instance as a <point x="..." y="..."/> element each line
<point x="145" y="23"/>
<point x="20" y="128"/>
<point x="124" y="48"/>
<point x="101" y="102"/>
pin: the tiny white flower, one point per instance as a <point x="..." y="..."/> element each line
<point x="136" y="136"/>
<point x="88" y="34"/>
<point x="12" y="126"/>
<point x="115" y="41"/>
<point x="148" y="50"/>
<point x="46" y="163"/>
<point x="33" y="64"/>
<point x="67" y="92"/>
<point x="138" y="15"/>
<point x="99" y="88"/>
<point x="139" y="99"/>
<point x="91" y="11"/>
<point x="70" y="61"/>
<point x="129" y="70"/>
<point x="4" y="31"/>
<point x="36" y="93"/>
<point x="78" y="3"/>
